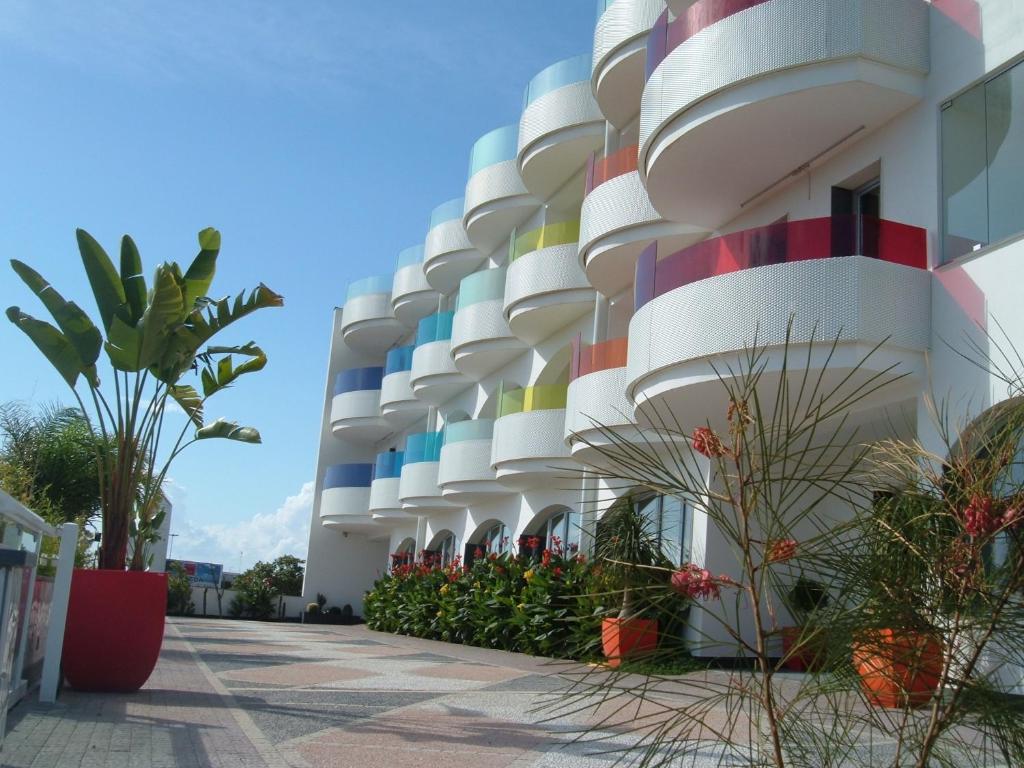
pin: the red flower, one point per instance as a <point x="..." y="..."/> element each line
<point x="545" y="559"/>
<point x="533" y="542"/>
<point x="706" y="442"/>
<point x="556" y="545"/>
<point x="557" y="571"/>
<point x="492" y="557"/>
<point x="1010" y="518"/>
<point x="780" y="551"/>
<point x="980" y="519"/>
<point x="695" y="582"/>
<point x="478" y="552"/>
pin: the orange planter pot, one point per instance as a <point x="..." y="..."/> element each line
<point x="898" y="668"/>
<point x="622" y="638"/>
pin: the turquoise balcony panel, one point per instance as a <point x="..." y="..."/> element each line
<point x="409" y="256"/>
<point x="423" y="447"/>
<point x="492" y="148"/>
<point x="449" y="211"/>
<point x="398" y="359"/>
<point x="388" y="465"/>
<point x="475" y="429"/>
<point x="562" y="73"/>
<point x="435" y="328"/>
<point x="369" y="286"/>
<point x="486" y="285"/>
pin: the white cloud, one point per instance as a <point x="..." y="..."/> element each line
<point x="265" y="536"/>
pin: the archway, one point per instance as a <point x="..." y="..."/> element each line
<point x="405" y="554"/>
<point x="556" y="528"/>
<point x="442" y="549"/>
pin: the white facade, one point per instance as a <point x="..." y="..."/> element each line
<point x="834" y="114"/>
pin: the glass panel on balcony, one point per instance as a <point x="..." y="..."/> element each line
<point x="434" y="328"/>
<point x="358" y="379"/>
<point x="470" y="429"/>
<point x="423" y="446"/>
<point x="348" y="476"/>
<point x="545" y="397"/>
<point x="410" y="256"/>
<point x="389" y="465"/>
<point x="562" y="73"/>
<point x="590" y="358"/>
<point x="487" y="285"/>
<point x="492" y="148"/>
<point x="600" y="170"/>
<point x="398" y="359"/>
<point x="561" y="233"/>
<point x="369" y="286"/>
<point x="666" y="36"/>
<point x="780" y="243"/>
<point x="449" y="211"/>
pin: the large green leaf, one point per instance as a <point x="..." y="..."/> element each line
<point x="124" y="345"/>
<point x="106" y="284"/>
<point x="165" y="312"/>
<point x="190" y="401"/>
<point x="72" y="321"/>
<point x="202" y="324"/>
<point x="228" y="430"/>
<point x="132" y="280"/>
<point x="225" y="373"/>
<point x="51" y="342"/>
<point x="200" y="273"/>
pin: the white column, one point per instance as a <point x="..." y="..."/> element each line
<point x="58" y="613"/>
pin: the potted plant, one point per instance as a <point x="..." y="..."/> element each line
<point x="629" y="552"/>
<point x="899" y="656"/>
<point x="152" y="337"/>
<point x="802" y="645"/>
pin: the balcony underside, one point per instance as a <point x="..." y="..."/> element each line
<point x="465" y="475"/>
<point x="398" y="405"/>
<point x="434" y="377"/>
<point x="557" y="133"/>
<point x="618" y="80"/>
<point x="529" y="449"/>
<point x="411" y="296"/>
<point x="481" y="340"/>
<point x="418" y="489"/>
<point x="855" y="301"/>
<point x="449" y="256"/>
<point x="355" y="416"/>
<point x="496" y="203"/>
<point x="346" y="509"/>
<point x="546" y="290"/>
<point x="368" y="323"/>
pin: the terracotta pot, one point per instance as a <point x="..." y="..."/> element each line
<point x="898" y="668"/>
<point x="115" y="628"/>
<point x="802" y="654"/>
<point x="621" y="638"/>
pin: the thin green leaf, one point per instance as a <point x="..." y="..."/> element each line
<point x="226" y="373"/>
<point x="228" y="430"/>
<point x="132" y="279"/>
<point x="165" y="312"/>
<point x="51" y="342"/>
<point x="106" y="284"/>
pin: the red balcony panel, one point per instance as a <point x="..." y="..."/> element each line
<point x="616" y="164"/>
<point x="590" y="358"/>
<point x="780" y="243"/>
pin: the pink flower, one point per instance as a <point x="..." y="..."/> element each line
<point x="780" y="551"/>
<point x="980" y="519"/>
<point x="695" y="582"/>
<point x="1011" y="518"/>
<point x="706" y="442"/>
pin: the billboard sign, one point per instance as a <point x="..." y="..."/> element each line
<point x="201" y="574"/>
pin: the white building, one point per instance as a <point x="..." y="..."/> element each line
<point x="858" y="164"/>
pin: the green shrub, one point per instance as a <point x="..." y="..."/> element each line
<point x="179" y="592"/>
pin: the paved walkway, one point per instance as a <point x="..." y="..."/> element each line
<point x="230" y="693"/>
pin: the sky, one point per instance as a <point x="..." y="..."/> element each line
<point x="316" y="136"/>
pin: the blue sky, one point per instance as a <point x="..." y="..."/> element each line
<point x="317" y="136"/>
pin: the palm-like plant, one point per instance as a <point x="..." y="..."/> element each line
<point x="152" y="337"/>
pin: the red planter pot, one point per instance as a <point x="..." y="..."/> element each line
<point x="621" y="638"/>
<point x="803" y="654"/>
<point x="898" y="668"/>
<point x="115" y="628"/>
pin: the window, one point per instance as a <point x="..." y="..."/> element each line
<point x="495" y="539"/>
<point x="565" y="526"/>
<point x="668" y="520"/>
<point x="443" y="550"/>
<point x="982" y="164"/>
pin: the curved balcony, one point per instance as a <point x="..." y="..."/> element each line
<point x="560" y="126"/>
<point x="620" y="53"/>
<point x="815" y="76"/>
<point x="496" y="199"/>
<point x="596" y="400"/>
<point x="448" y="254"/>
<point x="412" y="298"/>
<point x="481" y="340"/>
<point x="345" y="498"/>
<point x="529" y="436"/>
<point x="385" y="505"/>
<point x="355" y="409"/>
<point x="434" y="377"/>
<point x="864" y="283"/>
<point x="617" y="221"/>
<point x="398" y="404"/>
<point x="368" y="321"/>
<point x="465" y="473"/>
<point x="545" y="288"/>
<point x="418" y="490"/>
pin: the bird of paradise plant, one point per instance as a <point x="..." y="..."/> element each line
<point x="152" y="337"/>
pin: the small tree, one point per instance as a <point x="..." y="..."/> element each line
<point x="152" y="338"/>
<point x="287" y="577"/>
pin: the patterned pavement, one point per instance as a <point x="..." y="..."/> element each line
<point x="232" y="693"/>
